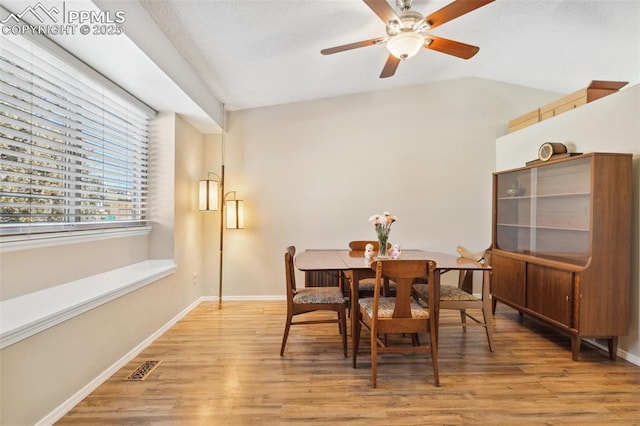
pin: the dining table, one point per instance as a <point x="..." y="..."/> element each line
<point x="360" y="267"/>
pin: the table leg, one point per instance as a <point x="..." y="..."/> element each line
<point x="436" y="304"/>
<point x="355" y="280"/>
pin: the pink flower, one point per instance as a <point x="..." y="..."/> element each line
<point x="382" y="222"/>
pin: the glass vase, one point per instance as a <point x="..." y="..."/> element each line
<point x="383" y="250"/>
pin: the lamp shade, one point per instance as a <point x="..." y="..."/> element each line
<point x="235" y="214"/>
<point x="405" y="45"/>
<point x="208" y="195"/>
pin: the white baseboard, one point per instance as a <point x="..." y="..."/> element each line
<point x="251" y="298"/>
<point x="634" y="359"/>
<point x="65" y="407"/>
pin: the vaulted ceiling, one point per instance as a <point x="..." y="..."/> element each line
<point x="192" y="56"/>
<point x="254" y="53"/>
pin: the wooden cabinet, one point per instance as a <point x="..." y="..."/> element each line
<point x="561" y="246"/>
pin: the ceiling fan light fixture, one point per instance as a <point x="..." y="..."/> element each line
<point x="405" y="44"/>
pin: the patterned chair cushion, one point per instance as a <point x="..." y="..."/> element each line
<point x="318" y="295"/>
<point x="447" y="292"/>
<point x="369" y="284"/>
<point x="386" y="306"/>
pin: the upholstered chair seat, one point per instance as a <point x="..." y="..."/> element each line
<point x="368" y="284"/>
<point x="447" y="293"/>
<point x="387" y="306"/>
<point x="318" y="295"/>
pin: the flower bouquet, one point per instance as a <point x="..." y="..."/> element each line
<point x="382" y="225"/>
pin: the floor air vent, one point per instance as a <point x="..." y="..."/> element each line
<point x="143" y="370"/>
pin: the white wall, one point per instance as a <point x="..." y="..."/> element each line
<point x="312" y="173"/>
<point x="611" y="124"/>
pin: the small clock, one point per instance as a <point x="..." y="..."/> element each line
<point x="545" y="151"/>
<point x="548" y="149"/>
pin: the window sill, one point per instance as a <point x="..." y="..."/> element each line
<point x="32" y="241"/>
<point x="26" y="315"/>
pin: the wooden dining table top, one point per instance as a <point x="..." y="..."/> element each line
<point x="335" y="259"/>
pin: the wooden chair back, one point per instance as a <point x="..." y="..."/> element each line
<point x="404" y="273"/>
<point x="360" y="245"/>
<point x="290" y="274"/>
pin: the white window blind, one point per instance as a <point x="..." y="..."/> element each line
<point x="73" y="151"/>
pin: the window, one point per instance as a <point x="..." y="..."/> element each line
<point x="73" y="146"/>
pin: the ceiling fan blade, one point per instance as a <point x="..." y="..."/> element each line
<point x="390" y="67"/>
<point x="454" y="10"/>
<point x="350" y="46"/>
<point x="451" y="47"/>
<point x="383" y="10"/>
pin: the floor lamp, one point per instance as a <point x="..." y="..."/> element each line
<point x="231" y="214"/>
<point x="209" y="200"/>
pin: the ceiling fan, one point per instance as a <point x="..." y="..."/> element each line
<point x="407" y="32"/>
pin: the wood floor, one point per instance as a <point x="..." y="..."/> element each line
<point x="222" y="367"/>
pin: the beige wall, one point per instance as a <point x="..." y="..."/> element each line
<point x="611" y="124"/>
<point x="40" y="373"/>
<point x="27" y="271"/>
<point x="312" y="173"/>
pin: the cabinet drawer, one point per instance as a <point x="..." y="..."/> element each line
<point x="550" y="293"/>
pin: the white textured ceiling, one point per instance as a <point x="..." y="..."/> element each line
<point x="255" y="53"/>
<point x="189" y="56"/>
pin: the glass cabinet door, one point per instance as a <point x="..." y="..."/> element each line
<point x="544" y="211"/>
<point x="513" y="211"/>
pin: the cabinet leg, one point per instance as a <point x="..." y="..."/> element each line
<point x="613" y="347"/>
<point x="575" y="346"/>
<point x="494" y="302"/>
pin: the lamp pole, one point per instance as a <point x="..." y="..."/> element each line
<point x="222" y="206"/>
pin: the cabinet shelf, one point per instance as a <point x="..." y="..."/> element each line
<point x="561" y="244"/>
<point x="558" y="195"/>
<point x="556" y="228"/>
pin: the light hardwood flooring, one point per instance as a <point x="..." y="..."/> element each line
<point x="222" y="367"/>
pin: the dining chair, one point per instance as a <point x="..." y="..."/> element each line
<point x="304" y="300"/>
<point x="401" y="314"/>
<point x="365" y="286"/>
<point x="461" y="297"/>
